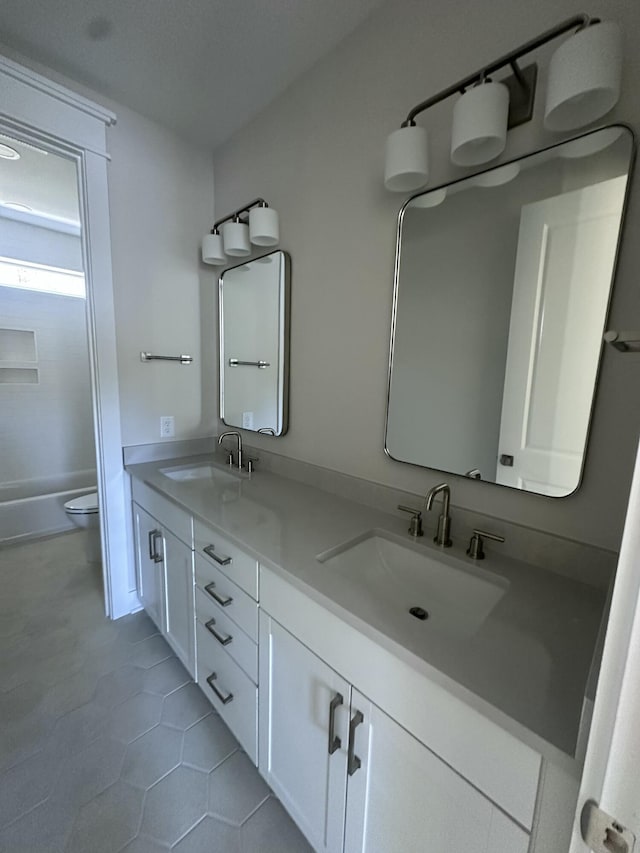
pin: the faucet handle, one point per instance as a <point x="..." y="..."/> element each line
<point x="251" y="463"/>
<point x="475" y="549"/>
<point x="415" y="526"/>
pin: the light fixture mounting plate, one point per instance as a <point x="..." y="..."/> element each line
<point x="521" y="95"/>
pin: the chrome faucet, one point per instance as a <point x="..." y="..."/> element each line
<point x="442" y="537"/>
<point x="239" y="437"/>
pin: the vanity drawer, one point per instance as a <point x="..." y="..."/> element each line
<point x="242" y="609"/>
<point x="240" y="710"/>
<point x="229" y="559"/>
<point x="168" y="514"/>
<point x="227" y="634"/>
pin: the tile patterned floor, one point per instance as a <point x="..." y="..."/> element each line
<point x="105" y="743"/>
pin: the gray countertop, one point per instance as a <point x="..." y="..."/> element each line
<point x="526" y="666"/>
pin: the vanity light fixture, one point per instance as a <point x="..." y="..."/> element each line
<point x="255" y="223"/>
<point x="584" y="84"/>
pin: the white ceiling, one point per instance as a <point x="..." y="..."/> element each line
<point x="45" y="183"/>
<point x="202" y="67"/>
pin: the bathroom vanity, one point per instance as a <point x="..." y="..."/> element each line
<point x="375" y="728"/>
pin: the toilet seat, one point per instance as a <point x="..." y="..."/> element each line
<point x="84" y="505"/>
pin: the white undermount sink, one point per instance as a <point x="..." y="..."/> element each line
<point x="384" y="577"/>
<point x="203" y="471"/>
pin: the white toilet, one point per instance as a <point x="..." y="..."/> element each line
<point x="84" y="512"/>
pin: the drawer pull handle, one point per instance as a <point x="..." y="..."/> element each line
<point x="224" y="641"/>
<point x="225" y="699"/>
<point x="210" y="551"/>
<point x="223" y="602"/>
<point x="353" y="762"/>
<point x="334" y="741"/>
<point x="153" y="548"/>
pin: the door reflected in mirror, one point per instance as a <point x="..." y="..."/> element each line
<point x="502" y="287"/>
<point x="254" y="344"/>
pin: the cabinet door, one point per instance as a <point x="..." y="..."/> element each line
<point x="403" y="798"/>
<point x="298" y="696"/>
<point x="149" y="567"/>
<point x="179" y="599"/>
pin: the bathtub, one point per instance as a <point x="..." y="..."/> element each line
<point x="31" y="508"/>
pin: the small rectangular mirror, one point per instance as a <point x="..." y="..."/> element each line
<point x="254" y="344"/>
<point x="502" y="287"/>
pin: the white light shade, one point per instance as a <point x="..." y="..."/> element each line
<point x="590" y="144"/>
<point x="212" y="251"/>
<point x="407" y="159"/>
<point x="432" y="199"/>
<point x="236" y="239"/>
<point x="479" y="131"/>
<point x="584" y="77"/>
<point x="263" y="226"/>
<point x="497" y="177"/>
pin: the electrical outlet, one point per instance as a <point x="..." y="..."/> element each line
<point x="247" y="420"/>
<point x="167" y="426"/>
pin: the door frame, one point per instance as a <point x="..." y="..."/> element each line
<point x="33" y="108"/>
<point x="611" y="773"/>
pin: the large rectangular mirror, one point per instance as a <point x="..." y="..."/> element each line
<point x="254" y="344"/>
<point x="502" y="286"/>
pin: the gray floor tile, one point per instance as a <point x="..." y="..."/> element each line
<point x="121" y="684"/>
<point x="271" y="830"/>
<point x="109" y="657"/>
<point x="143" y="844"/>
<point x="185" y="707"/>
<point x="108" y="822"/>
<point x="236" y="789"/>
<point x="136" y="627"/>
<point x="22" y="700"/>
<point x="135" y="716"/>
<point x="208" y="836"/>
<point x="165" y="677"/>
<point x="26" y="785"/>
<point x="70" y="693"/>
<point x="11" y="624"/>
<point x="42" y="830"/>
<point x="174" y="805"/>
<point x="152" y="756"/>
<point x="87" y="773"/>
<point x="151" y="651"/>
<point x="208" y="743"/>
<point x="24" y="737"/>
<point x="80" y="727"/>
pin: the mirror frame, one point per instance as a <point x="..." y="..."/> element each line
<point x="284" y="345"/>
<point x="396" y="278"/>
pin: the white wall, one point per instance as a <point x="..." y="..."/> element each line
<point x="316" y="155"/>
<point x="46" y="428"/>
<point x="161" y="203"/>
<point x="24" y="241"/>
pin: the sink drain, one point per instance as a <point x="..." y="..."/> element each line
<point x="419" y="613"/>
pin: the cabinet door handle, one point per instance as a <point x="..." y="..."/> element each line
<point x="334" y="740"/>
<point x="152" y="553"/>
<point x="224" y="698"/>
<point x="210" y="551"/>
<point x="157" y="558"/>
<point x="223" y="602"/>
<point x="224" y="641"/>
<point x="353" y="762"/>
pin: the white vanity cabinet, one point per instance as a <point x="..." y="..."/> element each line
<point x="227" y="632"/>
<point x="348" y="773"/>
<point x="304" y="711"/>
<point x="164" y="569"/>
<point x="354" y="778"/>
<point x="401" y="797"/>
<point x="149" y="569"/>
